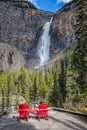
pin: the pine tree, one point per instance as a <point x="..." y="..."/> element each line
<point x="42" y="87"/>
<point x="79" y="61"/>
<point x="8" y="91"/>
<point x="34" y="88"/>
<point x="49" y="79"/>
<point x="2" y="96"/>
<point x="22" y="80"/>
<point x="62" y="80"/>
<point x="55" y="98"/>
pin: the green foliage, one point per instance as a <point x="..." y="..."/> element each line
<point x="42" y="87"/>
<point x="79" y="58"/>
<point x="62" y="79"/>
<point x="55" y="98"/>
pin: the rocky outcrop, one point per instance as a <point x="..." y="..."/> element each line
<point x="10" y="58"/>
<point x="20" y="3"/>
<point x="62" y="29"/>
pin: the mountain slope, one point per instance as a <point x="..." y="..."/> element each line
<point x="21" y="26"/>
<point x="62" y="29"/>
<point x="10" y="58"/>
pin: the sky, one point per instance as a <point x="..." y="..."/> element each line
<point x="49" y="5"/>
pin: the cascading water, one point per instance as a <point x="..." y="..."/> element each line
<point x="44" y="44"/>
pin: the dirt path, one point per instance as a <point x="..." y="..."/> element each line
<point x="57" y="121"/>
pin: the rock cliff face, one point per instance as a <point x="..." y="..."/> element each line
<point x="62" y="30"/>
<point x="10" y="58"/>
<point x="21" y="24"/>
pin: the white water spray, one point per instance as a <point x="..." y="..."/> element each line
<point x="44" y="44"/>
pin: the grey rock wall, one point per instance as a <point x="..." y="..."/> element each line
<point x="20" y="27"/>
<point x="62" y="29"/>
<point x="10" y="58"/>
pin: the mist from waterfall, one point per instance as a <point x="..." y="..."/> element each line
<point x="44" y="44"/>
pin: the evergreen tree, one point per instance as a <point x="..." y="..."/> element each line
<point x="22" y="78"/>
<point x="49" y="79"/>
<point x="34" y="88"/>
<point x="79" y="61"/>
<point x="2" y="102"/>
<point x="8" y="91"/>
<point x="62" y="79"/>
<point x="55" y="98"/>
<point x="42" y="87"/>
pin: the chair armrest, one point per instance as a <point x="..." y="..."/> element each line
<point x="42" y="110"/>
<point x="23" y="110"/>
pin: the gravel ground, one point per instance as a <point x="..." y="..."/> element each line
<point x="57" y="121"/>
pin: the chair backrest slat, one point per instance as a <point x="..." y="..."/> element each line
<point x="23" y="106"/>
<point x="43" y="106"/>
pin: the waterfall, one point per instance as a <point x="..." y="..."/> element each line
<point x="44" y="44"/>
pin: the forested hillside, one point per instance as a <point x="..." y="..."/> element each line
<point x="62" y="84"/>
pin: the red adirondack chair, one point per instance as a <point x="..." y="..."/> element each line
<point x="23" y="111"/>
<point x="42" y="111"/>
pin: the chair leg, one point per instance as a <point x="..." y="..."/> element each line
<point x="26" y="118"/>
<point x="18" y="119"/>
<point x="38" y="118"/>
<point x="46" y="117"/>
